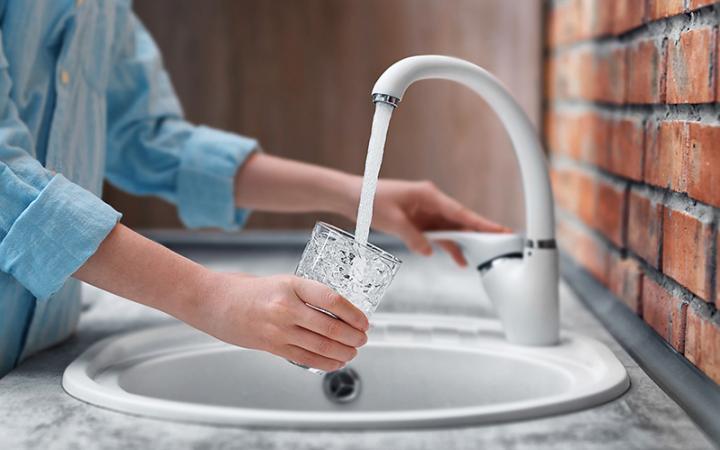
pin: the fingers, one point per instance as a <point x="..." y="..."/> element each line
<point x="322" y="345"/>
<point x="483" y="224"/>
<point x="454" y="251"/>
<point x="317" y="294"/>
<point x="308" y="358"/>
<point x="414" y="238"/>
<point x="456" y="212"/>
<point x="334" y="329"/>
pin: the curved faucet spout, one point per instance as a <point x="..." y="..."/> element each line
<point x="539" y="215"/>
<point x="520" y="278"/>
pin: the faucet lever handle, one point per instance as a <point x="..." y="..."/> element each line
<point x="481" y="248"/>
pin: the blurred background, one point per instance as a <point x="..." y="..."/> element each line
<point x="297" y="74"/>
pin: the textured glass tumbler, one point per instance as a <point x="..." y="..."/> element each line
<point x="359" y="272"/>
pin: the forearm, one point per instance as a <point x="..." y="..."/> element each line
<point x="134" y="267"/>
<point x="270" y="183"/>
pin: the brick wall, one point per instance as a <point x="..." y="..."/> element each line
<point x="632" y="123"/>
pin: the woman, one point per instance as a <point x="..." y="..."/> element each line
<point x="84" y="97"/>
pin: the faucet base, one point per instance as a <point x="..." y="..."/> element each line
<point x="525" y="294"/>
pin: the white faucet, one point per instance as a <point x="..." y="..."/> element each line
<point x="519" y="274"/>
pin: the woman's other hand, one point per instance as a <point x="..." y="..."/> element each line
<point x="406" y="209"/>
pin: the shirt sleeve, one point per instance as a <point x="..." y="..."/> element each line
<point x="49" y="226"/>
<point x="152" y="150"/>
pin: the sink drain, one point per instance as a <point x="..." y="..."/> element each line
<point x="341" y="386"/>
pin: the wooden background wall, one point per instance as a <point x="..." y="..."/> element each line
<point x="297" y="75"/>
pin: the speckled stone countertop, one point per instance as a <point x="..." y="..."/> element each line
<point x="35" y="413"/>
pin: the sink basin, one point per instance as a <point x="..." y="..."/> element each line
<point x="416" y="370"/>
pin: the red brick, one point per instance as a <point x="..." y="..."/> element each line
<point x="703" y="163"/>
<point x="702" y="341"/>
<point x="575" y="193"/>
<point x="652" y="169"/>
<point x="689" y="68"/>
<point x="561" y="77"/>
<point x="587" y="250"/>
<point x="628" y="14"/>
<point x="644" y="227"/>
<point x="553" y="83"/>
<point x="683" y="156"/>
<point x="548" y="80"/>
<point x="579" y="136"/>
<point x="564" y="184"/>
<point x="657" y="304"/>
<point x="625" y="280"/>
<point x="551" y="133"/>
<point x="664" y="312"/>
<point x="590" y="18"/>
<point x="687" y="243"/>
<point x="647" y="60"/>
<point x="580" y="16"/>
<point x="586" y="198"/>
<point x="571" y="21"/>
<point x="625" y="156"/>
<point x="695" y="4"/>
<point x="717" y="75"/>
<point x="717" y="270"/>
<point x="593" y="134"/>
<point x="558" y="25"/>
<point x="584" y="74"/>
<point x="599" y="204"/>
<point x="657" y="9"/>
<point x="602" y="16"/>
<point x="609" y="211"/>
<point x="557" y="186"/>
<point x="666" y="154"/>
<point x="609" y="71"/>
<point x="567" y="74"/>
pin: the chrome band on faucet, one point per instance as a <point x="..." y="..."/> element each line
<point x="384" y="98"/>
<point x="540" y="243"/>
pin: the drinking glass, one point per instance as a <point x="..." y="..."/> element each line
<point x="359" y="272"/>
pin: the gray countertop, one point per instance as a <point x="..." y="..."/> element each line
<point x="36" y="413"/>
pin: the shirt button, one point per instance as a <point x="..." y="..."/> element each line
<point x="64" y="77"/>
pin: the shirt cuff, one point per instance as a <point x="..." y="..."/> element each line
<point x="206" y="180"/>
<point x="55" y="235"/>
